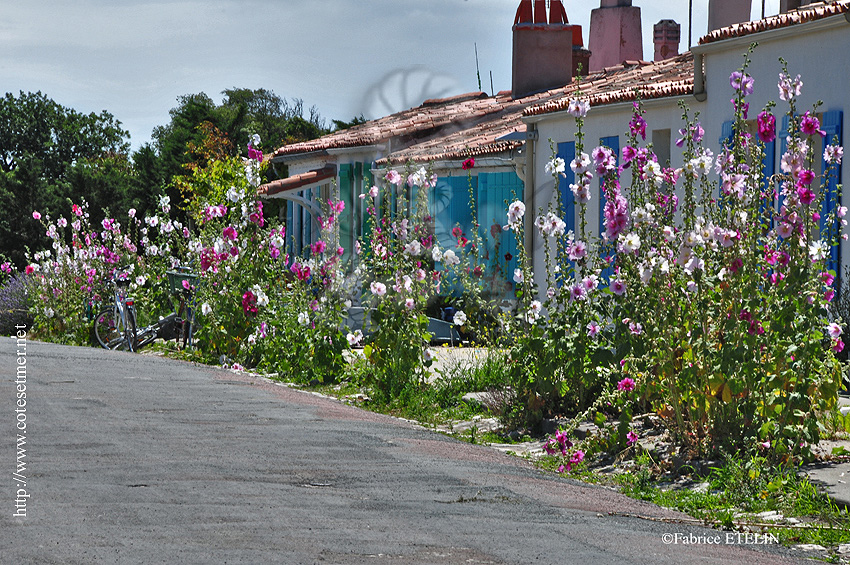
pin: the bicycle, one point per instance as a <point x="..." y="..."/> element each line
<point x="183" y="282"/>
<point x="115" y="325"/>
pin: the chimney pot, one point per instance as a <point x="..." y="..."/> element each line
<point x="667" y="34"/>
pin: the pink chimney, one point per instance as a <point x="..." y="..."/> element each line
<point x="615" y="34"/>
<point x="724" y="13"/>
<point x="546" y="51"/>
<point x="667" y="34"/>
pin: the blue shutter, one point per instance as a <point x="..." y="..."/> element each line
<point x="783" y="146"/>
<point x="567" y="152"/>
<point x="727" y="139"/>
<point x="291" y="233"/>
<point x="613" y="142"/>
<point x="306" y="224"/>
<point x="769" y="169"/>
<point x="831" y="124"/>
<point x="346" y="223"/>
<point x="495" y="192"/>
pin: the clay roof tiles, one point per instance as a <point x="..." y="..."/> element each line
<point x="801" y="15"/>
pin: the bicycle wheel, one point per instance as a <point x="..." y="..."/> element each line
<point x="108" y="329"/>
<point x="130" y="329"/>
<point x="183" y="324"/>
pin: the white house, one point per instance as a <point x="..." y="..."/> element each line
<point x="815" y="42"/>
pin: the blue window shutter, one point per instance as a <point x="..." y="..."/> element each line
<point x="783" y="146"/>
<point x="290" y="227"/>
<point x="495" y="192"/>
<point x="769" y="169"/>
<point x="346" y="224"/>
<point x="831" y="124"/>
<point x="727" y="138"/>
<point x="567" y="152"/>
<point x="612" y="142"/>
<point x="727" y="133"/>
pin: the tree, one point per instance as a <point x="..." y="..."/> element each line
<point x="42" y="145"/>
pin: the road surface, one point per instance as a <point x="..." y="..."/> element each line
<point x="138" y="459"/>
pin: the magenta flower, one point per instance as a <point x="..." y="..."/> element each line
<point x="631" y="438"/>
<point x="806" y="195"/>
<point x="229" y="233"/>
<point x="468" y="164"/>
<point x="577" y="457"/>
<point x="805" y="177"/>
<point x="838" y="346"/>
<point x="638" y="126"/>
<point x="249" y="303"/>
<point x="766" y="127"/>
<point x="36" y="216"/>
<point x="810" y="125"/>
<point x="627" y="385"/>
<point x="319" y="247"/>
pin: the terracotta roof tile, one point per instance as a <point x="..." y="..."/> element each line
<point x="804" y="14"/>
<point x="670" y="77"/>
<point x="296" y="181"/>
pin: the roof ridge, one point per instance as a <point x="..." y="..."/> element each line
<point x="801" y="15"/>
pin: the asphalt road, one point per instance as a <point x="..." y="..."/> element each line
<point x="139" y="459"/>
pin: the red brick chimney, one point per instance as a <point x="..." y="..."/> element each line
<point x="546" y="52"/>
<point x="667" y="34"/>
<point x="615" y="34"/>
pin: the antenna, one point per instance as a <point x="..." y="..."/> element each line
<point x="477" y="70"/>
<point x="492" y="91"/>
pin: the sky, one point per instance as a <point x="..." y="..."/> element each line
<point x="135" y="58"/>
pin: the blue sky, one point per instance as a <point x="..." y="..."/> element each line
<point x="134" y="58"/>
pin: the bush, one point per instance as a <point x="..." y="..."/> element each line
<point x="14" y="305"/>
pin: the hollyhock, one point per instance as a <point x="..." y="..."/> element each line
<point x="810" y="125"/>
<point x="626" y="385"/>
<point x="766" y="127"/>
<point x="459" y="318"/>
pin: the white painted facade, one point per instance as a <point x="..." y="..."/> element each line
<point x="819" y="51"/>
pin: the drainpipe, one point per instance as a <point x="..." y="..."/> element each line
<point x="529" y="192"/>
<point x="699" y="77"/>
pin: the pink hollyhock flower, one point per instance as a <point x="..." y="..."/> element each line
<point x="627" y="385"/>
<point x="319" y="247"/>
<point x="29" y="269"/>
<point x="249" y="303"/>
<point x="766" y="127"/>
<point x="36" y="216"/>
<point x="229" y="233"/>
<point x="838" y="346"/>
<point x="593" y="329"/>
<point x="806" y="195"/>
<point x="468" y="164"/>
<point x="810" y="125"/>
<point x="618" y="287"/>
<point x="834" y="330"/>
